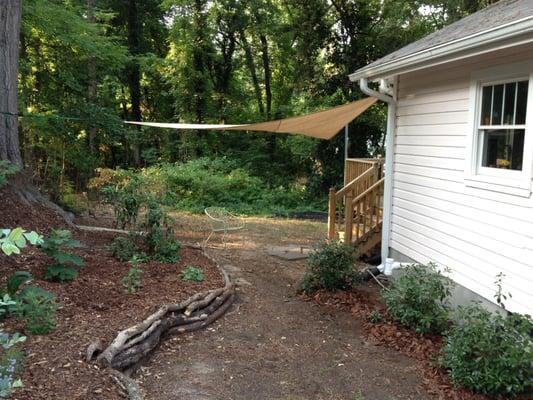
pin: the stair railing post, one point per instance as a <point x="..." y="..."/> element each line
<point x="348" y="218"/>
<point x="332" y="211"/>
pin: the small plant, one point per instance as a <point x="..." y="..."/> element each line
<point x="490" y="353"/>
<point x="124" y="248"/>
<point x="160" y="235"/>
<point x="55" y="246"/>
<point x="375" y="317"/>
<point x="132" y="281"/>
<point x="6" y="170"/>
<point x="7" y="305"/>
<point x="38" y="308"/>
<point x="500" y="296"/>
<point x="417" y="298"/>
<point x="192" y="274"/>
<point x="126" y="198"/>
<point x="331" y="267"/>
<point x="13" y="240"/>
<point x="10" y="362"/>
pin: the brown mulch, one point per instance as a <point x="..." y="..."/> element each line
<point x="93" y="306"/>
<point x="424" y="348"/>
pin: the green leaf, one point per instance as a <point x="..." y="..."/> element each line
<point x="63" y="258"/>
<point x="9" y="248"/>
<point x="34" y="238"/>
<point x="17" y="279"/>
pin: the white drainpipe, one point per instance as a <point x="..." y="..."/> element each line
<point x="389" y="154"/>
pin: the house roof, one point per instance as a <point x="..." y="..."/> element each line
<point x="501" y="21"/>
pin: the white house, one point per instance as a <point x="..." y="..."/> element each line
<point x="459" y="158"/>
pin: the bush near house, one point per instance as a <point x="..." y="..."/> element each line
<point x="331" y="266"/>
<point x="417" y="298"/>
<point x="490" y="353"/>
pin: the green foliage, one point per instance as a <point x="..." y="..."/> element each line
<point x="126" y="199"/>
<point x="417" y="298"/>
<point x="6" y="170"/>
<point x="132" y="281"/>
<point x="125" y="248"/>
<point x="17" y="279"/>
<point x="331" y="266"/>
<point x="11" y="359"/>
<point x="491" y="354"/>
<point x="38" y="308"/>
<point x="12" y="241"/>
<point x="375" y="317"/>
<point x="7" y="305"/>
<point x="56" y="246"/>
<point x="192" y="273"/>
<point x="160" y="235"/>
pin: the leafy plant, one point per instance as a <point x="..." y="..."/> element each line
<point x="375" y="316"/>
<point x="6" y="170"/>
<point x="55" y="246"/>
<point x="7" y="305"/>
<point x="132" y="281"/>
<point x="126" y="198"/>
<point x="490" y="353"/>
<point x="17" y="279"/>
<point x="160" y="235"/>
<point x="125" y="248"/>
<point x="331" y="267"/>
<point x="500" y="296"/>
<point x="12" y="241"/>
<point x="38" y="308"/>
<point x="192" y="274"/>
<point x="417" y="298"/>
<point x="10" y="362"/>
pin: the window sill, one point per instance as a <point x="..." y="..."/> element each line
<point x="511" y="187"/>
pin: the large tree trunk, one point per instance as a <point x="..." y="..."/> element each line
<point x="91" y="67"/>
<point x="134" y="72"/>
<point x="10" y="15"/>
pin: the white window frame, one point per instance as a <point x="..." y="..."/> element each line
<point x="512" y="182"/>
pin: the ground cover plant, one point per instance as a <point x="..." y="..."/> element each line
<point x="417" y="298"/>
<point x="490" y="353"/>
<point x="57" y="246"/>
<point x="192" y="274"/>
<point x="11" y="358"/>
<point x="331" y="266"/>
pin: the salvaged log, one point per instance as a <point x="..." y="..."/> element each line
<point x="133" y="344"/>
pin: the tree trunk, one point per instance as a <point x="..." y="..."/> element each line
<point x="91" y="69"/>
<point x="134" y="72"/>
<point x="268" y="74"/>
<point x="10" y="15"/>
<point x="253" y="73"/>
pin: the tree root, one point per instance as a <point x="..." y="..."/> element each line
<point x="127" y="384"/>
<point x="133" y="344"/>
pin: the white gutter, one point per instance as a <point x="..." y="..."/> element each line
<point x="461" y="45"/>
<point x="389" y="154"/>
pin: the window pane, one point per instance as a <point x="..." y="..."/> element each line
<point x="485" y="105"/>
<point x="508" y="109"/>
<point x="521" y="103"/>
<point x="503" y="148"/>
<point x="497" y="105"/>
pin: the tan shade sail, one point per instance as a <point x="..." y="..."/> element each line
<point x="322" y="125"/>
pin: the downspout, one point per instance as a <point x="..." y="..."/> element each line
<point x="389" y="154"/>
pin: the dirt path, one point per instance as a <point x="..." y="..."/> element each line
<point x="273" y="345"/>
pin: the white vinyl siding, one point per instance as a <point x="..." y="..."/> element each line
<point x="477" y="233"/>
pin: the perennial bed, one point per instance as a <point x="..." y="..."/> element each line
<point x="95" y="307"/>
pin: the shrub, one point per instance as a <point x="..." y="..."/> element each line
<point x="10" y="362"/>
<point x="417" y="298"/>
<point x="38" y="308"/>
<point x="160" y="235"/>
<point x="125" y="248"/>
<point x="331" y="267"/>
<point x="491" y="354"/>
<point x="126" y="197"/>
<point x="55" y="246"/>
<point x="192" y="274"/>
<point x="132" y="281"/>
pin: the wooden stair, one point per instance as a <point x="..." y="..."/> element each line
<point x="356" y="210"/>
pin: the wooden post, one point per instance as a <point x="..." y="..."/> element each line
<point x="332" y="210"/>
<point x="348" y="219"/>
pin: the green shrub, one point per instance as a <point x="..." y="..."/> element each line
<point x="17" y="279"/>
<point x="125" y="248"/>
<point x="490" y="353"/>
<point x="132" y="281"/>
<point x="38" y="308"/>
<point x="160" y="236"/>
<point x="192" y="274"/>
<point x="331" y="267"/>
<point x="126" y="198"/>
<point x="417" y="298"/>
<point x="10" y="362"/>
<point x="6" y="170"/>
<point x="55" y="246"/>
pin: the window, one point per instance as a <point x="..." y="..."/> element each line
<point x="501" y="117"/>
<point x="502" y="126"/>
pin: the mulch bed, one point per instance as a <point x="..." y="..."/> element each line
<point x="424" y="348"/>
<point x="93" y="306"/>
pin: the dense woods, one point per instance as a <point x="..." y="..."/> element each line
<point x="86" y="65"/>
